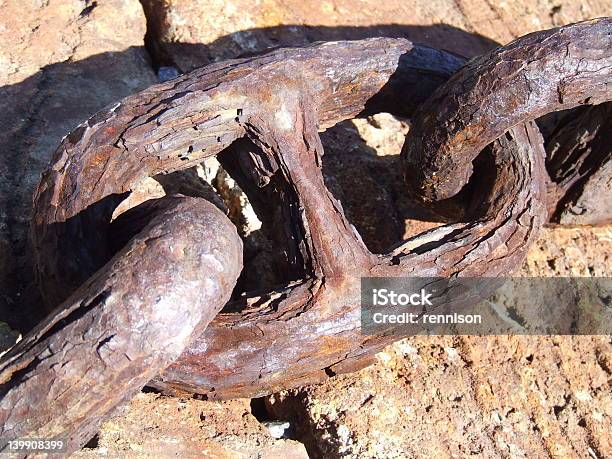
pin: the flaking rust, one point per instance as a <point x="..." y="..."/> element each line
<point x="149" y="313"/>
<point x="534" y="75"/>
<point x="126" y="323"/>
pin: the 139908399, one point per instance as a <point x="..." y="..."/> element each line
<point x="32" y="444"/>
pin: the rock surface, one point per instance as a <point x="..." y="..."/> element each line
<point x="60" y="62"/>
<point x="191" y="33"/>
<point x="153" y="426"/>
<point x="463" y="396"/>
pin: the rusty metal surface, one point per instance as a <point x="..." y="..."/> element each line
<point x="125" y="324"/>
<point x="264" y="113"/>
<point x="310" y="328"/>
<point x="534" y="75"/>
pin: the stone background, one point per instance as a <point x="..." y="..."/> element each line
<point x="62" y="60"/>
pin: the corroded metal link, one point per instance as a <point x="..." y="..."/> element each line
<point x="123" y="326"/>
<point x="175" y="125"/>
<point x="534" y="75"/>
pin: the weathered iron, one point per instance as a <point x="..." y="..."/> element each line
<point x="264" y="114"/>
<point x="534" y="75"/>
<point x="130" y="320"/>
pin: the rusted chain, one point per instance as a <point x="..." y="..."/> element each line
<point x="534" y="75"/>
<point x="264" y="114"/>
<point x="308" y="329"/>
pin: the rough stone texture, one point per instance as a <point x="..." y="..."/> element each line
<point x="154" y="426"/>
<point x="60" y="62"/>
<point x="579" y="252"/>
<point x="589" y="204"/>
<point x="192" y="33"/>
<point x="463" y="396"/>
